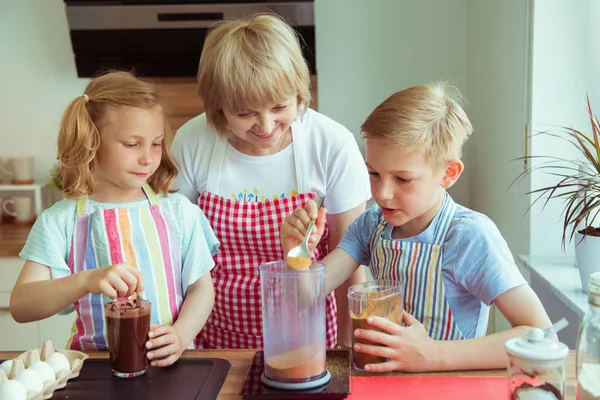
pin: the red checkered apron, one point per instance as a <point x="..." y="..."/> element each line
<point x="249" y="236"/>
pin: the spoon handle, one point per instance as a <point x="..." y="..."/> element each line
<point x="561" y="324"/>
<point x="311" y="224"/>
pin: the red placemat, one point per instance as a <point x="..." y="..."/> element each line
<point x="427" y="388"/>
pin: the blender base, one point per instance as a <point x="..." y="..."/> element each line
<point x="296" y="385"/>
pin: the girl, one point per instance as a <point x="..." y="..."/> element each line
<point x="118" y="230"/>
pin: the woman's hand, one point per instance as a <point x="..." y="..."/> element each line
<point x="165" y="344"/>
<point x="118" y="280"/>
<point x="294" y="227"/>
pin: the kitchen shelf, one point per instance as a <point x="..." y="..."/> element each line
<point x="35" y="187"/>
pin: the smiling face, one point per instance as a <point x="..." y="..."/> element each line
<point x="408" y="189"/>
<point x="262" y="130"/>
<point x="130" y="152"/>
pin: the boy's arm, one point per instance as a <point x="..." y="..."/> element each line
<point x="198" y="303"/>
<point x="521" y="307"/>
<point x="338" y="225"/>
<point x="410" y="349"/>
<point x="339" y="267"/>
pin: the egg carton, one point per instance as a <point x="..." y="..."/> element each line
<point x="28" y="358"/>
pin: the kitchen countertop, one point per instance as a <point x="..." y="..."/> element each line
<point x="12" y="238"/>
<point x="240" y="362"/>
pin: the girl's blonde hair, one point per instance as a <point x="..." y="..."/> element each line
<point x="251" y="62"/>
<point x="426" y="119"/>
<point x="79" y="136"/>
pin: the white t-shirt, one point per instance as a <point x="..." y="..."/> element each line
<point x="332" y="163"/>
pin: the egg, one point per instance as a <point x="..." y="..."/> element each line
<point x="59" y="362"/>
<point x="44" y="371"/>
<point x="6" y="366"/>
<point x="30" y="380"/>
<point x="12" y="390"/>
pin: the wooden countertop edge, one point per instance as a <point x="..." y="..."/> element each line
<point x="240" y="362"/>
<point x="12" y="238"/>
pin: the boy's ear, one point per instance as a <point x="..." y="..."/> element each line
<point x="453" y="170"/>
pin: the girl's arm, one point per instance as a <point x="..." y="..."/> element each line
<point x="411" y="349"/>
<point x="198" y="303"/>
<point x="168" y="342"/>
<point x="36" y="295"/>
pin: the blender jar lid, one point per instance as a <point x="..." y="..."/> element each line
<point x="534" y="346"/>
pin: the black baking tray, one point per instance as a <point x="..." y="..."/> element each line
<point x="187" y="379"/>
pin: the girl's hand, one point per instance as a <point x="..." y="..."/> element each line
<point x="118" y="280"/>
<point x="294" y="227"/>
<point x="166" y="345"/>
<point x="408" y="349"/>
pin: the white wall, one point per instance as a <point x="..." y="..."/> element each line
<point x="498" y="90"/>
<point x="566" y="64"/>
<point x="498" y="109"/>
<point x="367" y="50"/>
<point x="37" y="79"/>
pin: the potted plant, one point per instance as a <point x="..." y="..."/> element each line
<point x="578" y="187"/>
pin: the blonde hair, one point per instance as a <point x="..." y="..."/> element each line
<point x="80" y="132"/>
<point x="255" y="61"/>
<point x="426" y="119"/>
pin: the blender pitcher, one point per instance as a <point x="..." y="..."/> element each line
<point x="293" y="318"/>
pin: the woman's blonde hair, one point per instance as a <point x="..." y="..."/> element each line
<point x="426" y="119"/>
<point x="251" y="62"/>
<point x="80" y="132"/>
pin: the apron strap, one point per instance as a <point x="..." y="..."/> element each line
<point x="302" y="157"/>
<point x="82" y="206"/>
<point x="445" y="220"/>
<point x="152" y="197"/>
<point x="216" y="162"/>
<point x="302" y="161"/>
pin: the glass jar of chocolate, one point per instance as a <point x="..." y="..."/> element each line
<point x="588" y="346"/>
<point x="536" y="367"/>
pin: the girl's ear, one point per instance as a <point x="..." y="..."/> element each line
<point x="453" y="170"/>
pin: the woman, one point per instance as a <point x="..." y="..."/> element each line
<point x="257" y="153"/>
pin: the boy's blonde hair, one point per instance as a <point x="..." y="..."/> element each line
<point x="426" y="119"/>
<point x="255" y="61"/>
<point x="79" y="136"/>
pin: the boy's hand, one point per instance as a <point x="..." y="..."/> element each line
<point x="294" y="227"/>
<point x="166" y="345"/>
<point x="118" y="280"/>
<point x="407" y="348"/>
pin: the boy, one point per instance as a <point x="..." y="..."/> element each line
<point x="452" y="261"/>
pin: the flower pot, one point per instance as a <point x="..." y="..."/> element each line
<point x="587" y="255"/>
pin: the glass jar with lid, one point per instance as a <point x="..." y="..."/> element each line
<point x="536" y="367"/>
<point x="588" y="346"/>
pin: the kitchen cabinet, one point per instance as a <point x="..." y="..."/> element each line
<point x="16" y="336"/>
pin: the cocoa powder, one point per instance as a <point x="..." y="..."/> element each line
<point x="298" y="263"/>
<point x="375" y="305"/>
<point x="301" y="363"/>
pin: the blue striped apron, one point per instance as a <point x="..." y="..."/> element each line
<point x="419" y="267"/>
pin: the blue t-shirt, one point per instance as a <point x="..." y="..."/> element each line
<point x="49" y="241"/>
<point x="477" y="265"/>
